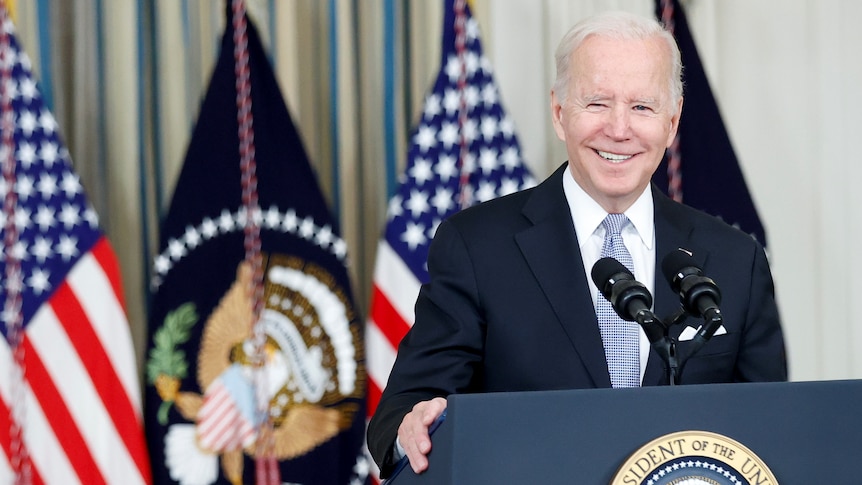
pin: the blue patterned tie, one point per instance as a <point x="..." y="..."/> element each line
<point x="621" y="338"/>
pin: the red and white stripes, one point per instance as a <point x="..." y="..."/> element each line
<point x="81" y="389"/>
<point x="390" y="317"/>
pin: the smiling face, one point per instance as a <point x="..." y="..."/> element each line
<point x="618" y="116"/>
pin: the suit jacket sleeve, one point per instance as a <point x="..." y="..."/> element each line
<point x="751" y="348"/>
<point x="762" y="354"/>
<point x="441" y="353"/>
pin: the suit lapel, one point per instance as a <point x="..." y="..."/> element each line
<point x="551" y="249"/>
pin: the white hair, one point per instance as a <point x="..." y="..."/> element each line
<point x="617" y="25"/>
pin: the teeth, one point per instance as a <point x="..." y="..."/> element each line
<point x="613" y="157"/>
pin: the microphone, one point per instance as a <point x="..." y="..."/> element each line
<point x="698" y="294"/>
<point x="629" y="297"/>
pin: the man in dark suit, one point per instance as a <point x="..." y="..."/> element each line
<point x="510" y="305"/>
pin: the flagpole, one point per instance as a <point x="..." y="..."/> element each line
<point x="465" y="198"/>
<point x="266" y="466"/>
<point x="674" y="158"/>
<point x="12" y="313"/>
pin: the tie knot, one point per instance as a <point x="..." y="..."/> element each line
<point x="614" y="223"/>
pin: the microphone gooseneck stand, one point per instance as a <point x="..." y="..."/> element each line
<point x="631" y="300"/>
<point x="665" y="345"/>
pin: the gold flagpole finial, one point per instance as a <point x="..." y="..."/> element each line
<point x="10" y="8"/>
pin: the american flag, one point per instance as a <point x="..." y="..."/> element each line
<point x="464" y="151"/>
<point x="70" y="405"/>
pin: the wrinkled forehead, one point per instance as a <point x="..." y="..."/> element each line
<point x="641" y="67"/>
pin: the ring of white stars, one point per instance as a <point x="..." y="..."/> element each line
<point x="694" y="464"/>
<point x="228" y="222"/>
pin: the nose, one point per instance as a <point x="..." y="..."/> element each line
<point x="618" y="123"/>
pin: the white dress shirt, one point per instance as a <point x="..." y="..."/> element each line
<point x="638" y="236"/>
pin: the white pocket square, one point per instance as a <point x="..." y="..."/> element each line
<point x="689" y="332"/>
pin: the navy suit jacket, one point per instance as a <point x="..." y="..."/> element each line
<point x="508" y="307"/>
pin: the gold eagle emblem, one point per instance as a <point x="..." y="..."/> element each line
<point x="309" y="378"/>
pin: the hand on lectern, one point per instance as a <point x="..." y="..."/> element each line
<point x="413" y="432"/>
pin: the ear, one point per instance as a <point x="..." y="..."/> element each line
<point x="674" y="123"/>
<point x="557" y="116"/>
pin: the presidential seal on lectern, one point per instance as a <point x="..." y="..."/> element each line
<point x="694" y="458"/>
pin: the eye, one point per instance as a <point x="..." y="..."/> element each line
<point x="640" y="107"/>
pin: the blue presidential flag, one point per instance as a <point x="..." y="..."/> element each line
<point x="252" y="383"/>
<point x="701" y="169"/>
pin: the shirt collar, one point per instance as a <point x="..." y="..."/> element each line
<point x="588" y="215"/>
